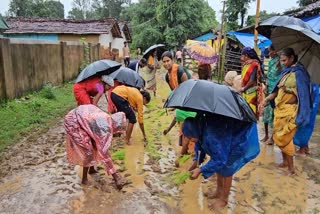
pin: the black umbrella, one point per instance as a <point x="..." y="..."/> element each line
<point x="300" y="37"/>
<point x="101" y="67"/>
<point x="149" y="51"/>
<point x="128" y="76"/>
<point x="265" y="28"/>
<point x="203" y="95"/>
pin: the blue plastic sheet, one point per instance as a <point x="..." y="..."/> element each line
<point x="247" y="39"/>
<point x="314" y="22"/>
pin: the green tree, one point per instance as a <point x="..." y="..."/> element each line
<point x="50" y="9"/>
<point x="20" y="8"/>
<point x="81" y="9"/>
<point x="305" y="2"/>
<point x="234" y="10"/>
<point x="263" y="16"/>
<point x="36" y="8"/>
<point x="168" y="21"/>
<point x="97" y="9"/>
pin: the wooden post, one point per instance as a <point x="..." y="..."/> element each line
<point x="256" y="25"/>
<point x="219" y="44"/>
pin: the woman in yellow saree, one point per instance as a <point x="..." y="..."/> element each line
<point x="251" y="78"/>
<point x="291" y="98"/>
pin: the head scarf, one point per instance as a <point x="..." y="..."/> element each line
<point x="251" y="53"/>
<point x="191" y="128"/>
<point x="108" y="80"/>
<point x="118" y="122"/>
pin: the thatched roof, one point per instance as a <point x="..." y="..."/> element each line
<point x="309" y="10"/>
<point x="124" y="27"/>
<point x="21" y="25"/>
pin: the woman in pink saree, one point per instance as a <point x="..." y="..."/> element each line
<point x="89" y="132"/>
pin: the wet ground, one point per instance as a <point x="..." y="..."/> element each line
<point x="36" y="178"/>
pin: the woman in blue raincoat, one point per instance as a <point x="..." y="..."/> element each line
<point x="304" y="133"/>
<point x="230" y="143"/>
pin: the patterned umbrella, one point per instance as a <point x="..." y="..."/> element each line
<point x="202" y="52"/>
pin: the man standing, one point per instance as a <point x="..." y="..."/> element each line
<point x="126" y="54"/>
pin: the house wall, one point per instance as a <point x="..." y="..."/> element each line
<point x="51" y="37"/>
<point x="26" y="65"/>
<point x="76" y="38"/>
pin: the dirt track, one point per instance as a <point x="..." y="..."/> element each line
<point x="35" y="178"/>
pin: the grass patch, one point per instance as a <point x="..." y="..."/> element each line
<point x="118" y="155"/>
<point x="180" y="177"/>
<point x="34" y="111"/>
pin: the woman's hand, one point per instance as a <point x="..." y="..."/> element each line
<point x="195" y="173"/>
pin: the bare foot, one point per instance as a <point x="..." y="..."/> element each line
<point x="290" y="173"/>
<point x="121" y="182"/>
<point x="283" y="165"/>
<point x="301" y="153"/>
<point x="85" y="182"/>
<point x="270" y="142"/>
<point x="219" y="204"/>
<point x="264" y="139"/>
<point x="211" y="194"/>
<point x="92" y="170"/>
<point x="128" y="143"/>
<point x="193" y="166"/>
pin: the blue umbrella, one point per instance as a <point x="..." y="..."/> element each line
<point x="265" y="28"/>
<point x="128" y="76"/>
<point x="203" y="95"/>
<point x="294" y="33"/>
<point x="101" y="67"/>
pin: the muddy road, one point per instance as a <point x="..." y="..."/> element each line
<point x="36" y="178"/>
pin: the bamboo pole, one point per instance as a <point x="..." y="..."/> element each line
<point x="256" y="25"/>
<point x="219" y="44"/>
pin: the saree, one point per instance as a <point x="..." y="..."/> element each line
<point x="285" y="115"/>
<point x="254" y="94"/>
<point x="89" y="132"/>
<point x="150" y="74"/>
<point x="273" y="75"/>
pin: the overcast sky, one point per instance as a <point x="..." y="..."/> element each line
<point x="278" y="6"/>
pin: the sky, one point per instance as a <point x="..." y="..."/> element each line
<point x="277" y="6"/>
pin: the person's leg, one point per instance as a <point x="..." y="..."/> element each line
<point x="219" y="188"/>
<point x="302" y="151"/>
<point x="85" y="175"/>
<point x="92" y="170"/>
<point x="120" y="182"/>
<point x="266" y="136"/>
<point x="222" y="199"/>
<point x="284" y="161"/>
<point x="185" y="144"/>
<point x="290" y="165"/>
<point x="129" y="132"/>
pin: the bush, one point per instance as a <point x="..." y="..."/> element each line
<point x="48" y="91"/>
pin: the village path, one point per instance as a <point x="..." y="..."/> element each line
<point x="36" y="178"/>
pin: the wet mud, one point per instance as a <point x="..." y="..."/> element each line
<point x="36" y="178"/>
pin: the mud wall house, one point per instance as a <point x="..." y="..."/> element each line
<point x="125" y="37"/>
<point x="27" y="64"/>
<point x="104" y="31"/>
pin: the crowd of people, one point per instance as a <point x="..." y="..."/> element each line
<point x="284" y="97"/>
